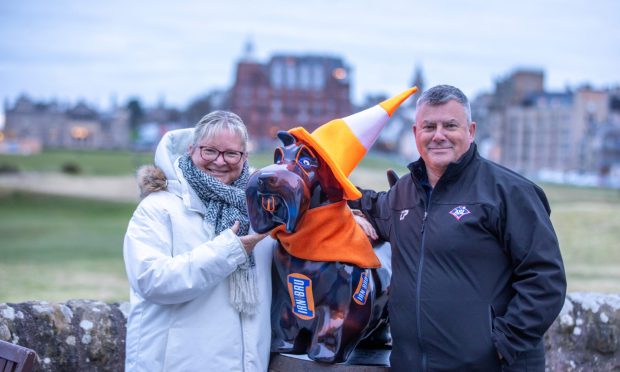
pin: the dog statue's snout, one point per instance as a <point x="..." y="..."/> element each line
<point x="265" y="179"/>
<point x="268" y="177"/>
<point x="276" y="196"/>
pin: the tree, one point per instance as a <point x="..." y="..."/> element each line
<point x="136" y="115"/>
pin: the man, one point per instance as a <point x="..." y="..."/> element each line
<point x="477" y="273"/>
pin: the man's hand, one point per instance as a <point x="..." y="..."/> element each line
<point x="365" y="225"/>
<point x="248" y="241"/>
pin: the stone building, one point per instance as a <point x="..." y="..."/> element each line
<point x="37" y="125"/>
<point x="290" y="91"/>
<point x="550" y="134"/>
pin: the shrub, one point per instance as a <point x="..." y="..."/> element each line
<point x="71" y="168"/>
<point x="8" y="168"/>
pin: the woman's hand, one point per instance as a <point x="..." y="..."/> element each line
<point x="365" y="225"/>
<point x="250" y="240"/>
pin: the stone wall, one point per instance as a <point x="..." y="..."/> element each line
<point x="586" y="334"/>
<point x="82" y="335"/>
<point x="78" y="335"/>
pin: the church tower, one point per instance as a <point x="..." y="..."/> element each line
<point x="418" y="80"/>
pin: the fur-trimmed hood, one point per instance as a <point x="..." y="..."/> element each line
<point x="163" y="174"/>
<point x="151" y="179"/>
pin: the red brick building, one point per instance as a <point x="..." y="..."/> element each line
<point x="290" y="91"/>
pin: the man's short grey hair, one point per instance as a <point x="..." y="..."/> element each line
<point x="441" y="94"/>
<point x="217" y="121"/>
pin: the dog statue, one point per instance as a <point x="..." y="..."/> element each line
<point x="319" y="308"/>
<point x="329" y="286"/>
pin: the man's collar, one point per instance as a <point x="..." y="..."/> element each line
<point x="418" y="167"/>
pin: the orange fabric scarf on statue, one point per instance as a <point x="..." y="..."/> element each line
<point x="328" y="233"/>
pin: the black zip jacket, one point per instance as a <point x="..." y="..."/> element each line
<point x="476" y="266"/>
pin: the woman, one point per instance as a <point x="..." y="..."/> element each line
<point x="200" y="287"/>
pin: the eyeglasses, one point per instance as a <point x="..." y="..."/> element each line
<point x="210" y="154"/>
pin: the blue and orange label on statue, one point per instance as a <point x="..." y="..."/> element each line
<point x="300" y="291"/>
<point x="361" y="292"/>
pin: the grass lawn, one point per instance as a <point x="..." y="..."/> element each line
<point x="588" y="228"/>
<point x="111" y="163"/>
<point x="103" y="163"/>
<point x="57" y="248"/>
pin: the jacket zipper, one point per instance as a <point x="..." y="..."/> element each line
<point x="419" y="280"/>
<point x="242" y="342"/>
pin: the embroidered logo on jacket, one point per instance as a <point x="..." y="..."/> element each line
<point x="300" y="291"/>
<point x="361" y="293"/>
<point x="403" y="214"/>
<point x="459" y="212"/>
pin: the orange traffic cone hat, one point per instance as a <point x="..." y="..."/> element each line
<point x="342" y="143"/>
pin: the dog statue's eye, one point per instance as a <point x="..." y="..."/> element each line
<point x="306" y="159"/>
<point x="305" y="162"/>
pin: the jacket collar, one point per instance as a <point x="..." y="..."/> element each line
<point x="181" y="188"/>
<point x="418" y="167"/>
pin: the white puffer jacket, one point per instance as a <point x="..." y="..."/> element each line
<point x="181" y="318"/>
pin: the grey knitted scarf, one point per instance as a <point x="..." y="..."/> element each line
<point x="226" y="204"/>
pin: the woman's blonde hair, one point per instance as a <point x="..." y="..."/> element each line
<point x="219" y="120"/>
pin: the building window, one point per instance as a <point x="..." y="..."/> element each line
<point x="291" y="76"/>
<point x="339" y="74"/>
<point x="318" y="77"/>
<point x="276" y="110"/>
<point x="305" y="82"/>
<point x="302" y="116"/>
<point x="277" y="74"/>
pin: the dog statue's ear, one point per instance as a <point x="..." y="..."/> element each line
<point x="392" y="177"/>
<point x="286" y="138"/>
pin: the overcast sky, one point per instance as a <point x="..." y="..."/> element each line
<point x="179" y="50"/>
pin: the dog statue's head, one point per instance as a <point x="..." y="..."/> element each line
<point x="312" y="169"/>
<point x="280" y="193"/>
